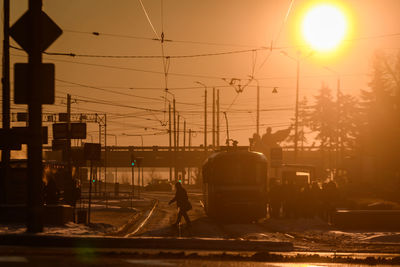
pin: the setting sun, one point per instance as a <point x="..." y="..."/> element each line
<point x="324" y="27"/>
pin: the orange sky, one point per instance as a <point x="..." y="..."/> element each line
<point x="193" y="26"/>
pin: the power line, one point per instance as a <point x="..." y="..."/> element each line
<point x="93" y="100"/>
<point x="126" y="36"/>
<point x="188" y="75"/>
<point x="148" y="19"/>
<point x="117" y="115"/>
<point x="107" y="90"/>
<point x="95" y="33"/>
<point x="71" y="54"/>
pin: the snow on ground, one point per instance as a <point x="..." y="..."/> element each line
<point x="316" y="229"/>
<point x="384" y="237"/>
<point x="69" y="229"/>
<point x="105" y="219"/>
<point x="12" y="229"/>
<point x="108" y="207"/>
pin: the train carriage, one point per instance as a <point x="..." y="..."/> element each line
<point x="235" y="185"/>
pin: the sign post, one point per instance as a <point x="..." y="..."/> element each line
<point x="35" y="32"/>
<point x="133" y="163"/>
<point x="35" y="201"/>
<point x="92" y="153"/>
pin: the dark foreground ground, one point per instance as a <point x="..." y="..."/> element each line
<point x="123" y="233"/>
<point x="29" y="256"/>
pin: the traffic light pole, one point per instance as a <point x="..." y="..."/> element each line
<point x="35" y="168"/>
<point x="138" y="181"/>
<point x="90" y="189"/>
<point x="133" y="184"/>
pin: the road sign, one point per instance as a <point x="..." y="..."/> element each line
<point x="60" y="131"/>
<point x="78" y="130"/>
<point x="92" y="151"/>
<point x="47" y="83"/>
<point x="14" y="137"/>
<point x="20" y="31"/>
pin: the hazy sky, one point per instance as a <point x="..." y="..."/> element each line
<point x="196" y="28"/>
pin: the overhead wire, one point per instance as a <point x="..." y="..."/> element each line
<point x="117" y="115"/>
<point x="96" y="33"/>
<point x="109" y="91"/>
<point x="148" y="19"/>
<point x="185" y="74"/>
<point x="71" y="54"/>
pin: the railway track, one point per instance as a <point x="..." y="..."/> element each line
<point x="157" y="221"/>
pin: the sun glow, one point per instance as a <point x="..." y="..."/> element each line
<point x="324" y="27"/>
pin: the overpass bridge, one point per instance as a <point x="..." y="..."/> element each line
<point x="154" y="156"/>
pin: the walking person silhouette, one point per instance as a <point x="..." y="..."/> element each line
<point x="183" y="204"/>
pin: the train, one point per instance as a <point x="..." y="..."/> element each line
<point x="235" y="185"/>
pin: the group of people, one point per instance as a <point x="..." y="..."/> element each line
<point x="285" y="200"/>
<point x="292" y="201"/>
<point x="268" y="140"/>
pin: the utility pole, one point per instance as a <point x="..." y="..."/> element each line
<point x="177" y="145"/>
<point x="213" y="119"/>
<point x="183" y="149"/>
<point x="296" y="126"/>
<point x="338" y="131"/>
<point x="227" y="130"/>
<point x="189" y="147"/>
<point x="184" y="135"/>
<point x="205" y="120"/>
<point x="258" y="109"/>
<point x="5" y="155"/>
<point x="35" y="168"/>
<point x="68" y="149"/>
<point x="218" y="118"/>
<point x="174" y="111"/>
<point x="170" y="141"/>
<point x="99" y="168"/>
<point x="177" y="134"/>
<point x="105" y="158"/>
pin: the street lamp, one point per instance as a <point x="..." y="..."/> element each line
<point x="170" y="130"/>
<point x="296" y="114"/>
<point x="296" y="124"/>
<point x="205" y="114"/>
<point x="258" y="106"/>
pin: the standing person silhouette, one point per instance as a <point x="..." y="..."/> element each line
<point x="182" y="203"/>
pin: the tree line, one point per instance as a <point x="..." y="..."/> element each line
<point x="358" y="136"/>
